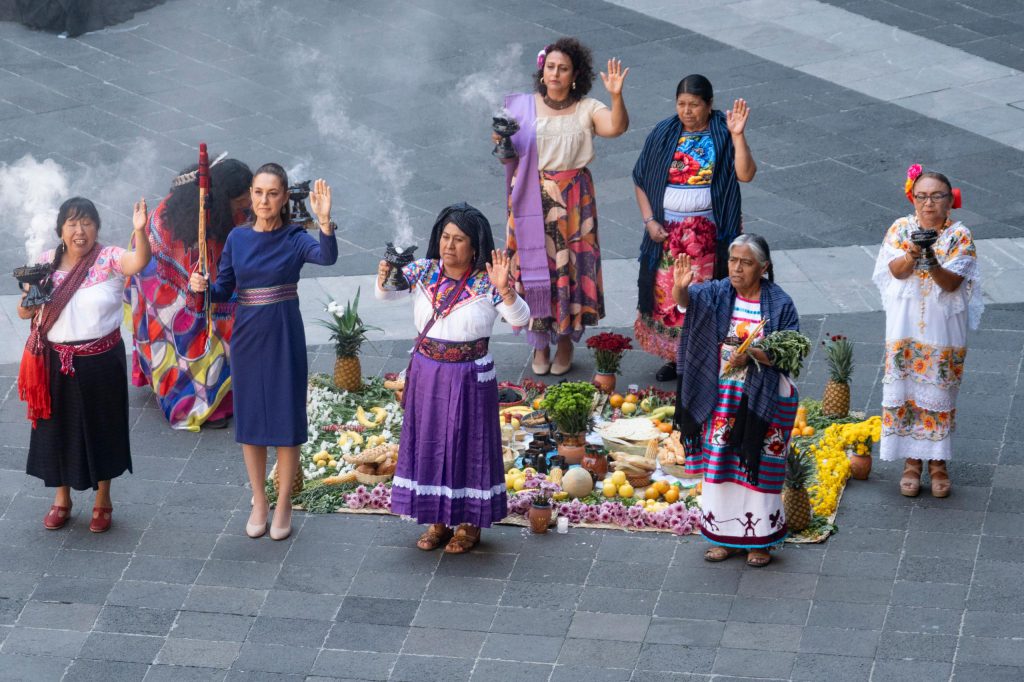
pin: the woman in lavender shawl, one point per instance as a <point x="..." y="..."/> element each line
<point x="552" y="224"/>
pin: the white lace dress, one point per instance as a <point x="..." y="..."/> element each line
<point x="925" y="342"/>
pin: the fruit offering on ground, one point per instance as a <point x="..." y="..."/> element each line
<point x="796" y="500"/>
<point x="348" y="333"/>
<point x="577" y="482"/>
<point x="835" y="402"/>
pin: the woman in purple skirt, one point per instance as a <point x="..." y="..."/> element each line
<point x="450" y="471"/>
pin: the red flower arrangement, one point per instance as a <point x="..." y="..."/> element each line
<point x="608" y="349"/>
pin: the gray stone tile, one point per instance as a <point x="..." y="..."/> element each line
<point x="808" y="667"/>
<point x="782" y="585"/>
<point x="618" y="600"/>
<point x="377" y="611"/>
<point x="701" y="633"/>
<point x="839" y="642"/>
<point x="601" y="654"/>
<point x="543" y="569"/>
<point x="945" y="545"/>
<point x="64" y="616"/>
<point x="108" y="646"/>
<point x="924" y="620"/>
<point x="72" y="590"/>
<point x="201" y="653"/>
<point x="901" y="645"/>
<point x="135" y="620"/>
<point x="241" y="601"/>
<point x="520" y="647"/>
<point x="861" y="564"/>
<point x="112" y="671"/>
<point x="702" y="580"/>
<point x="211" y="626"/>
<point x="762" y="636"/>
<point x="912" y="670"/>
<point x="618" y="627"/>
<point x="503" y="670"/>
<point x="288" y="631"/>
<point x="275" y="658"/>
<point x="431" y="669"/>
<point x="361" y="665"/>
<point x="451" y="615"/>
<point x="442" y="642"/>
<point x="548" y="622"/>
<point x="40" y="642"/>
<point x="497" y="566"/>
<point x="781" y="611"/>
<point x="367" y="637"/>
<point x="389" y="585"/>
<point x="852" y="589"/>
<point x="162" y="569"/>
<point x="944" y="571"/>
<point x="289" y="604"/>
<point x="156" y="595"/>
<point x="177" y="544"/>
<point x="471" y="590"/>
<point x="41" y="668"/>
<point x="699" y="606"/>
<point x="771" y="664"/>
<point x="935" y="595"/>
<point x="669" y="658"/>
<point x="846" y="615"/>
<point x="315" y="579"/>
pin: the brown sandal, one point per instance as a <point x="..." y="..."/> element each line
<point x="720" y="553"/>
<point x="462" y="541"/>
<point x="436" y="535"/>
<point x="940" y="477"/>
<point x="910" y="482"/>
<point x="758" y="558"/>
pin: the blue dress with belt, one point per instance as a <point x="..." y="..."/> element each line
<point x="268" y="345"/>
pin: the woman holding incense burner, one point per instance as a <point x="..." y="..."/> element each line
<point x="929" y="304"/>
<point x="734" y="418"/>
<point x="450" y="473"/>
<point x="72" y="373"/>
<point x="687" y="188"/>
<point x="552" y="224"/>
<point x="262" y="262"/>
<point x="188" y="372"/>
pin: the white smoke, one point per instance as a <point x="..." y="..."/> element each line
<point x="484" y="90"/>
<point x="30" y="193"/>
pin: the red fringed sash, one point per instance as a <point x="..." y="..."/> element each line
<point x="33" y="374"/>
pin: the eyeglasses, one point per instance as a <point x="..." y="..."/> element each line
<point x="934" y="198"/>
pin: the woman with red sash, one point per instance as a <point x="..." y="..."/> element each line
<point x="73" y="372"/>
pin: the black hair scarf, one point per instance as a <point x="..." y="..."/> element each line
<point x="473" y="224"/>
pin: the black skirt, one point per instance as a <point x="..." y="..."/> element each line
<point x="85" y="440"/>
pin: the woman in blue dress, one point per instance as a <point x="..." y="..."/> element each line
<point x="261" y="263"/>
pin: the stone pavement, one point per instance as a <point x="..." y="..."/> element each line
<point x="389" y="99"/>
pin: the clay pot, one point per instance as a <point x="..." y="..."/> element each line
<point x="604" y="382"/>
<point x="571" y="448"/>
<point x="540" y="517"/>
<point x="595" y="462"/>
<point x="860" y="466"/>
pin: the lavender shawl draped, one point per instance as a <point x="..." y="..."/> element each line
<point x="525" y="204"/>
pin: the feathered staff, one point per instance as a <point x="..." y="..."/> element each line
<point x="203" y="176"/>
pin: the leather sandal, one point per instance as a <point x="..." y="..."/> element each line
<point x="910" y="482"/>
<point x="759" y="558"/>
<point x="100" y="519"/>
<point x="462" y="541"/>
<point x="436" y="535"/>
<point x="939" y="477"/>
<point x="57" y="517"/>
<point x="719" y="553"/>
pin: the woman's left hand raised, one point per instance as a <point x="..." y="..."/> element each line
<point x="140" y="217"/>
<point x="615" y="76"/>
<point x="497" y="270"/>
<point x="320" y="201"/>
<point x="736" y="118"/>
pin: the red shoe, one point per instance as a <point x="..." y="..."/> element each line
<point x="57" y="517"/>
<point x="100" y="519"/>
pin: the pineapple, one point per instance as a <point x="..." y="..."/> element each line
<point x="795" y="500"/>
<point x="297" y="481"/>
<point x="348" y="332"/>
<point x="835" y="402"/>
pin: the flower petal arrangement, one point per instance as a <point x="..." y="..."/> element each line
<point x="608" y="349"/>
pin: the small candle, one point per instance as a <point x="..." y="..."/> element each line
<point x="563" y="524"/>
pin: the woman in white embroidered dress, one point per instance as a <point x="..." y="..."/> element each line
<point x="79" y="406"/>
<point x="928" y="307"/>
<point x="450" y="471"/>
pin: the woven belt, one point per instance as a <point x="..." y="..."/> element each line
<point x="453" y="351"/>
<point x="67" y="351"/>
<point x="268" y="295"/>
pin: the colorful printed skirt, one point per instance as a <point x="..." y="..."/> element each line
<point x="734" y="511"/>
<point x="450" y="469"/>
<point x="695" y="234"/>
<point x="192" y="383"/>
<point x="574" y="256"/>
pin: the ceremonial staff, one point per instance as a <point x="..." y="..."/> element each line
<point x="204" y="214"/>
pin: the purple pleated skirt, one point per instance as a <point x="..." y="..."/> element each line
<point x="450" y="469"/>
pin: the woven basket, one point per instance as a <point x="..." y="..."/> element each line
<point x="639" y="480"/>
<point x="297" y="482"/>
<point x="677" y="470"/>
<point x="630" y="447"/>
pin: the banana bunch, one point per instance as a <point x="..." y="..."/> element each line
<point x="516" y="410"/>
<point x="664" y="413"/>
<point x="350" y="437"/>
<point x="379" y="415"/>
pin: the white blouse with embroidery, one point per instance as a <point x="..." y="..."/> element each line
<point x="97" y="308"/>
<point x="471" y="318"/>
<point x="566" y="142"/>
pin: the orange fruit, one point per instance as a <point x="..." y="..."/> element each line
<point x="656" y="421"/>
<point x="631" y="398"/>
<point x="808" y="431"/>
<point x="651" y="493"/>
<point x="672" y="494"/>
<point x="536" y="402"/>
<point x="615" y="400"/>
<point x="661" y="486"/>
<point x="665" y="427"/>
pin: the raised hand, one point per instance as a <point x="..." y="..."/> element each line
<point x="197" y="283"/>
<point x="140" y="216"/>
<point x="382" y="273"/>
<point x="497" y="270"/>
<point x="736" y="118"/>
<point x="320" y="201"/>
<point x="614" y="77"/>
<point x="682" y="273"/>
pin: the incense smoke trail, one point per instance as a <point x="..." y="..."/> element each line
<point x="484" y="90"/>
<point x="30" y="194"/>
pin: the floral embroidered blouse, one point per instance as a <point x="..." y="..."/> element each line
<point x="96" y="309"/>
